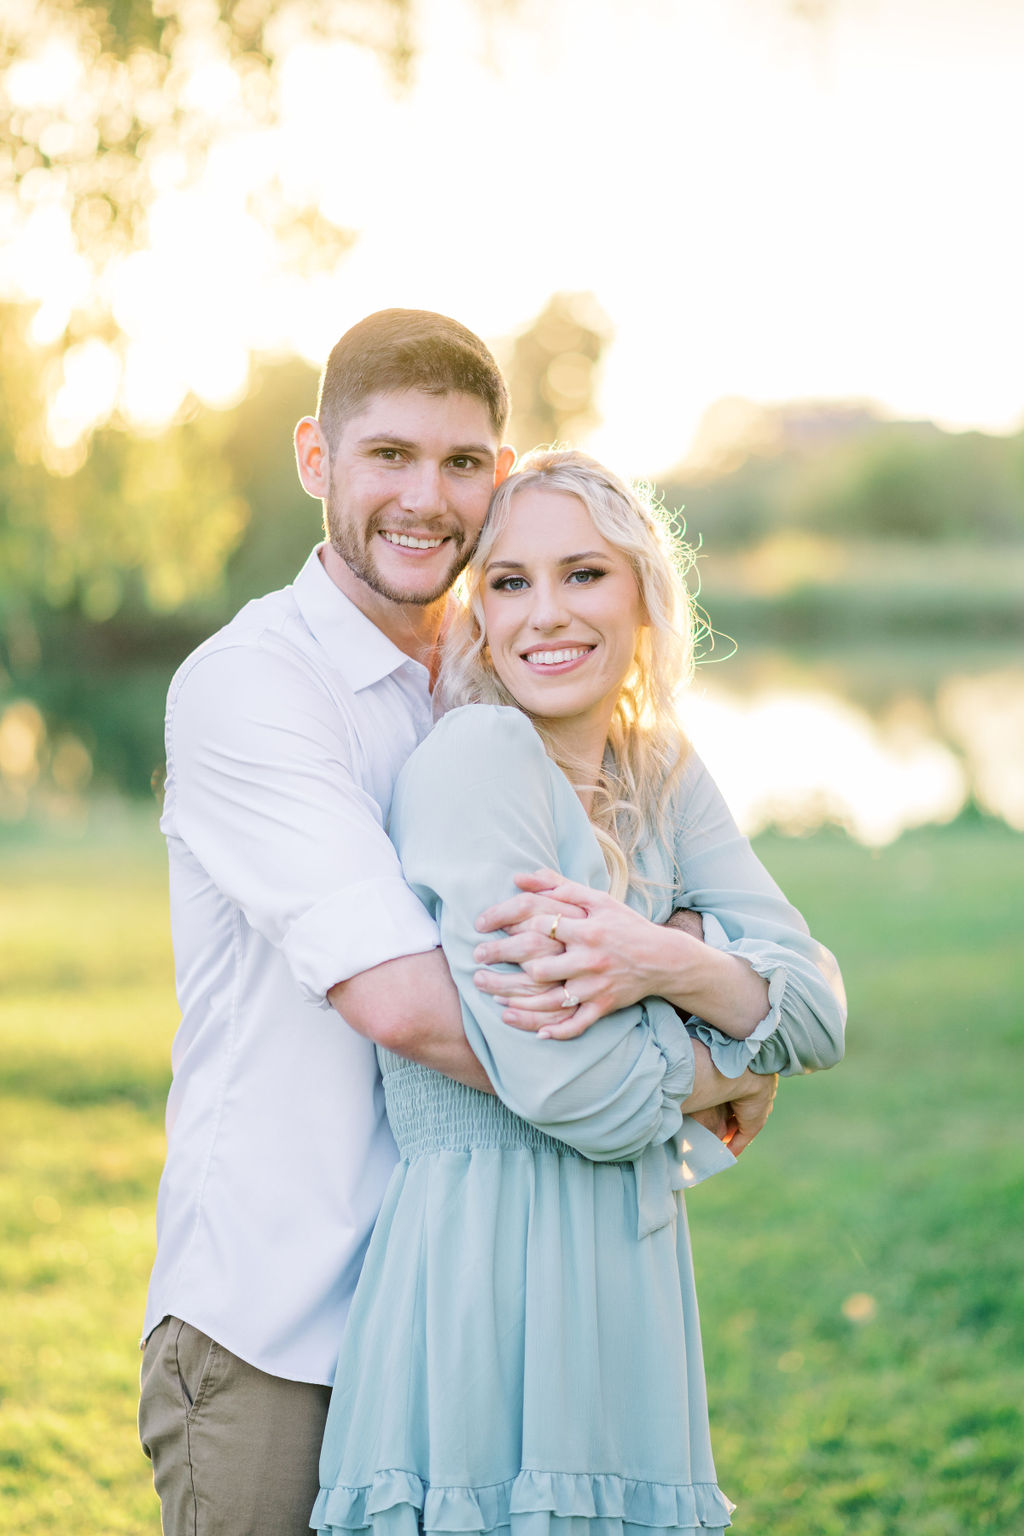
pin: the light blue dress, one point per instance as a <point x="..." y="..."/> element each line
<point x="523" y="1352"/>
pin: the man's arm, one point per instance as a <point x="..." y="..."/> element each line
<point x="734" y="1108"/>
<point x="265" y="798"/>
<point x="687" y="921"/>
<point x="411" y="1006"/>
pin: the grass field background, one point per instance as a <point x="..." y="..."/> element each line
<point x="859" y="1272"/>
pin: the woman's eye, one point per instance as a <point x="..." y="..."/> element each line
<point x="583" y="577"/>
<point x="508" y="584"/>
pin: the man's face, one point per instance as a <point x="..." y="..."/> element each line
<point x="411" y="478"/>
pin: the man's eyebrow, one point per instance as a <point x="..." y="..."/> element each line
<point x="394" y="440"/>
<point x="518" y="565"/>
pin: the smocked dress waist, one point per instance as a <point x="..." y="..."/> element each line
<point x="429" y="1113"/>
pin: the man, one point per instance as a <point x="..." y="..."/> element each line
<point x="285" y="733"/>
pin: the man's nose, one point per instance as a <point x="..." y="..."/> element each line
<point x="423" y="489"/>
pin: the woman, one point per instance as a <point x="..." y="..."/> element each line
<point x="524" y="1348"/>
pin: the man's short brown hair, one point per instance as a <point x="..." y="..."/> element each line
<point x="398" y="349"/>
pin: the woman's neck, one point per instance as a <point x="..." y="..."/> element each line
<point x="581" y="745"/>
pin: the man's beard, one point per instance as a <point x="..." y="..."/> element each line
<point x="357" y="552"/>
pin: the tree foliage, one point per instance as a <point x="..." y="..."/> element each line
<point x="117" y="112"/>
<point x="842" y="472"/>
<point x="552" y="370"/>
<point x="100" y="103"/>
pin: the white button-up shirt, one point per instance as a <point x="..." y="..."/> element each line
<point x="285" y="733"/>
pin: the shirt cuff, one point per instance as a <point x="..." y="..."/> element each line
<point x="352" y="931"/>
<point x="732" y="1057"/>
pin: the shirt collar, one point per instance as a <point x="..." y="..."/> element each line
<point x="361" y="652"/>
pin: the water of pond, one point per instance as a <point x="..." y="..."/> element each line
<point x="876" y="740"/>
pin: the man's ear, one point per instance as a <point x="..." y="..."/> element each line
<point x="312" y="458"/>
<point x="506" y="459"/>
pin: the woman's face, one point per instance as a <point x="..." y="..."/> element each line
<point x="561" y="611"/>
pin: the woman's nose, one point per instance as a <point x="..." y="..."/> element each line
<point x="548" y="610"/>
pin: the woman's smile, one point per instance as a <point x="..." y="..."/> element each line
<point x="547" y="660"/>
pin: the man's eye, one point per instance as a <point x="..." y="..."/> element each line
<point x="389" y="455"/>
<point x="464" y="461"/>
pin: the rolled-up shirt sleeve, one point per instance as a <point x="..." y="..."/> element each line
<point x="746" y="914"/>
<point x="265" y="797"/>
<point x="477" y="802"/>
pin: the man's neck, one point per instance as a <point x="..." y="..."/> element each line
<point x="414" y="628"/>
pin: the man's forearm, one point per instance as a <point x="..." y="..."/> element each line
<point x="411" y="1006"/>
<point x="710" y="1087"/>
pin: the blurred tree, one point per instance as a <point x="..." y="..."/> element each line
<point x="913" y="481"/>
<point x="842" y="472"/>
<point x="110" y="107"/>
<point x="283" y="523"/>
<point x="552" y="372"/>
<point x="110" y="575"/>
<point x="101" y="105"/>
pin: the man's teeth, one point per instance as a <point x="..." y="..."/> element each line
<point x="552" y="658"/>
<point x="410" y="542"/>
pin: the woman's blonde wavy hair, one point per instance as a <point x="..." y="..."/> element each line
<point x="647" y="747"/>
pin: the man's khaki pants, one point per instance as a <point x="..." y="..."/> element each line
<point x="235" y="1452"/>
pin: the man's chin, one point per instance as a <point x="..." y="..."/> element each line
<point x="417" y="588"/>
<point x="420" y="594"/>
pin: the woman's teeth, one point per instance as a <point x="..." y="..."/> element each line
<point x="553" y="658"/>
<point x="409" y="542"/>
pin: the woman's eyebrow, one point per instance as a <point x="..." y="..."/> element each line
<point x="517" y="565"/>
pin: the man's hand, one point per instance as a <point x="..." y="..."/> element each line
<point x="751" y="1108"/>
<point x="741" y="1119"/>
<point x="735" y="1109"/>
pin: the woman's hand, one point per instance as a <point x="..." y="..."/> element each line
<point x="607" y="959"/>
<point x="594" y="964"/>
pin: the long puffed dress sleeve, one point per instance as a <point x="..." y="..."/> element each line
<point x="718" y="874"/>
<point x="523" y="1352"/>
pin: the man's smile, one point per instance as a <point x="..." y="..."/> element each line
<point x="411" y="540"/>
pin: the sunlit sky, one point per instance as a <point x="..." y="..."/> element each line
<point x="768" y="200"/>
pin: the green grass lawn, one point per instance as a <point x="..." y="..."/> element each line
<point x="859" y="1272"/>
